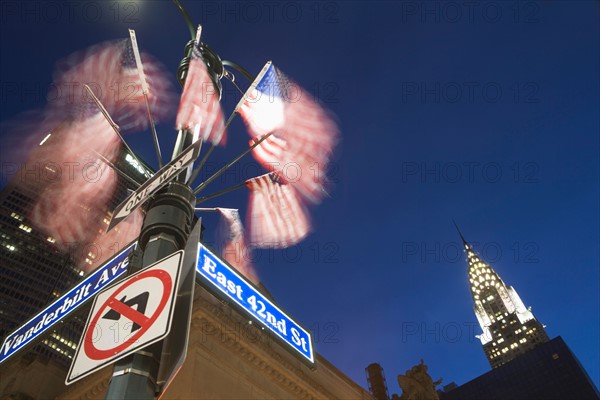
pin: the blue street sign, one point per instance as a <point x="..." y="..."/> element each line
<point x="108" y="273"/>
<point x="224" y="280"/>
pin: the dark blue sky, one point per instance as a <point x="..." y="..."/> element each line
<point x="482" y="112"/>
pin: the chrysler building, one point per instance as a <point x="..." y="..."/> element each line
<point x="509" y="328"/>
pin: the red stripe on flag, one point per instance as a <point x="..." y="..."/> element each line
<point x="199" y="105"/>
<point x="276" y="216"/>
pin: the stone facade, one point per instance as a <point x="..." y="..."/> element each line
<point x="227" y="358"/>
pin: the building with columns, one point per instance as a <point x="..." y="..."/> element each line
<point x="227" y="358"/>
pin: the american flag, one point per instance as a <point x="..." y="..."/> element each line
<point x="77" y="181"/>
<point x="277" y="217"/>
<point x="83" y="136"/>
<point x="230" y="234"/>
<point x="303" y="133"/>
<point x="110" y="70"/>
<point x="199" y="106"/>
<point x="78" y="184"/>
<point x="72" y="210"/>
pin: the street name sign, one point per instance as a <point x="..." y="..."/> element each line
<point x="152" y="185"/>
<point x="101" y="278"/>
<point x="228" y="284"/>
<point x="128" y="316"/>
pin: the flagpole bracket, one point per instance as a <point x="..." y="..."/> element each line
<point x="213" y="62"/>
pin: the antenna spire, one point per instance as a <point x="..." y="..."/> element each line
<point x="460" y="233"/>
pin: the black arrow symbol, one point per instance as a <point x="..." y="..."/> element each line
<point x="140" y="301"/>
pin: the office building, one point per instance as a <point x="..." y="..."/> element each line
<point x="509" y="329"/>
<point x="550" y="371"/>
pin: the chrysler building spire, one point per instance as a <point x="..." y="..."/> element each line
<point x="509" y="328"/>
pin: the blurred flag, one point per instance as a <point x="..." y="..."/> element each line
<point x="199" y="107"/>
<point x="303" y="134"/>
<point x="231" y="241"/>
<point x="86" y="135"/>
<point x="110" y="70"/>
<point x="78" y="182"/>
<point x="72" y="210"/>
<point x="276" y="216"/>
<point x="75" y="147"/>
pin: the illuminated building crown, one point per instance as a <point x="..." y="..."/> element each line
<point x="508" y="327"/>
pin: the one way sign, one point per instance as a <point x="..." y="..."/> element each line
<point x="158" y="180"/>
<point x="128" y="316"/>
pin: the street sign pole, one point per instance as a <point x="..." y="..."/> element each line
<point x="175" y="344"/>
<point x="166" y="228"/>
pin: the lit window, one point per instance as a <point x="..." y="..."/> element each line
<point x="51" y="239"/>
<point x="25" y="228"/>
<point x="16" y="216"/>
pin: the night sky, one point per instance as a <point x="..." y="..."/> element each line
<point x="486" y="113"/>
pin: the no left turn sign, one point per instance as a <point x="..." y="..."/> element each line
<point x="128" y="316"/>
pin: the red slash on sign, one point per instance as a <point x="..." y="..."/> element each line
<point x="128" y="316"/>
<point x="128" y="312"/>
